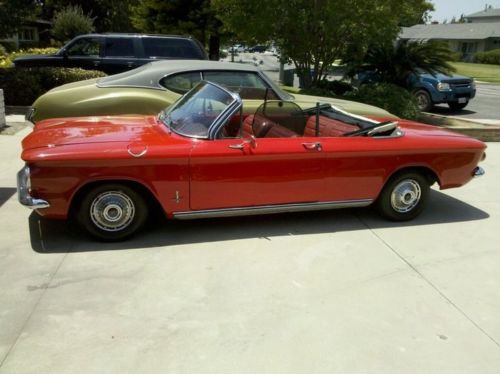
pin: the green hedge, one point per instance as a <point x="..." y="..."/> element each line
<point x="390" y="97"/>
<point x="490" y="57"/>
<point x="7" y="62"/>
<point x="22" y="86"/>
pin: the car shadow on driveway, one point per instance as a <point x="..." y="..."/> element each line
<point x="6" y="193"/>
<point x="50" y="236"/>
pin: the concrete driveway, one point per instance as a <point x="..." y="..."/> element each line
<point x="330" y="292"/>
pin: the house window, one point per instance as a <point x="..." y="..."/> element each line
<point x="27" y="34"/>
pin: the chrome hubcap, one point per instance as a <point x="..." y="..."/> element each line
<point x="112" y="211"/>
<point x="421" y="101"/>
<point x="405" y="196"/>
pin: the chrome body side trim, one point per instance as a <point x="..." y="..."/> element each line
<point x="478" y="172"/>
<point x="23" y="195"/>
<point x="271" y="209"/>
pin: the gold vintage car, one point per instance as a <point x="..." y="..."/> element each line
<point x="154" y="86"/>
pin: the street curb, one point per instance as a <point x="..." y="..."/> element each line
<point x="475" y="129"/>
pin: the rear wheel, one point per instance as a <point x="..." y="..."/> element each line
<point x="403" y="197"/>
<point x="424" y="101"/>
<point x="112" y="212"/>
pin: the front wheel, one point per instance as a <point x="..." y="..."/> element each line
<point x="403" y="197"/>
<point x="424" y="101"/>
<point x="112" y="212"/>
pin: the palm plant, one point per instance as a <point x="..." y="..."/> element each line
<point x="395" y="63"/>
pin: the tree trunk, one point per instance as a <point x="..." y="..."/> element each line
<point x="214" y="47"/>
<point x="304" y="74"/>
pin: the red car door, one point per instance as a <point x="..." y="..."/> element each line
<point x="275" y="171"/>
<point x="357" y="167"/>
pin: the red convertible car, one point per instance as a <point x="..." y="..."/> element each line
<point x="201" y="158"/>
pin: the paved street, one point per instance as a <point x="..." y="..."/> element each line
<point x="484" y="106"/>
<point x="330" y="292"/>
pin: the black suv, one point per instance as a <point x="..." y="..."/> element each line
<point x="115" y="53"/>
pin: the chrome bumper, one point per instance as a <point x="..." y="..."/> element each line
<point x="23" y="186"/>
<point x="478" y="172"/>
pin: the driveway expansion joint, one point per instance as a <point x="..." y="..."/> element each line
<point x="428" y="281"/>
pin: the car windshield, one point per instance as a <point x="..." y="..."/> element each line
<point x="194" y="113"/>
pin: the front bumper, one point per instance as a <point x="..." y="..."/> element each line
<point x="23" y="187"/>
<point x="439" y="97"/>
<point x="478" y="172"/>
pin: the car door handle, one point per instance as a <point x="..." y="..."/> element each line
<point x="237" y="146"/>
<point x="313" y="146"/>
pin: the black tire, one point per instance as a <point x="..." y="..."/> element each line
<point x="404" y="196"/>
<point x="424" y="101"/>
<point x="112" y="212"/>
<point x="455" y="106"/>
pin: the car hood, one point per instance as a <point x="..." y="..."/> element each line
<point x="85" y="130"/>
<point x="444" y="77"/>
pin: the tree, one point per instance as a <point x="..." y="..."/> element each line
<point x="13" y="13"/>
<point x="192" y="17"/>
<point x="108" y="15"/>
<point x="71" y="22"/>
<point x="394" y="63"/>
<point x="314" y="33"/>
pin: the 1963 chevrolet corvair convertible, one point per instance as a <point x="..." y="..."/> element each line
<point x="201" y="157"/>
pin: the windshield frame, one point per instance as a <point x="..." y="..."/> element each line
<point x="217" y="123"/>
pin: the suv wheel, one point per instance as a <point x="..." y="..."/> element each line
<point x="424" y="101"/>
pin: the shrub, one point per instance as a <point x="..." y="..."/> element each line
<point x="3" y="51"/>
<point x="70" y="22"/>
<point x="337" y="87"/>
<point x="490" y="57"/>
<point x="23" y="85"/>
<point x="328" y="89"/>
<point x="9" y="46"/>
<point x="390" y="97"/>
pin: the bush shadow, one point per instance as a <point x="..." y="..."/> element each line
<point x="51" y="236"/>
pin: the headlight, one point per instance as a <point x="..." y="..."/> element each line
<point x="30" y="114"/>
<point x="443" y="86"/>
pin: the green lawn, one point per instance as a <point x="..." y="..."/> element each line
<point x="481" y="72"/>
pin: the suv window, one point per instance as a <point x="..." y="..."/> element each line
<point x="247" y="85"/>
<point x="181" y="83"/>
<point x="171" y="48"/>
<point x="119" y="47"/>
<point x="85" y="47"/>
